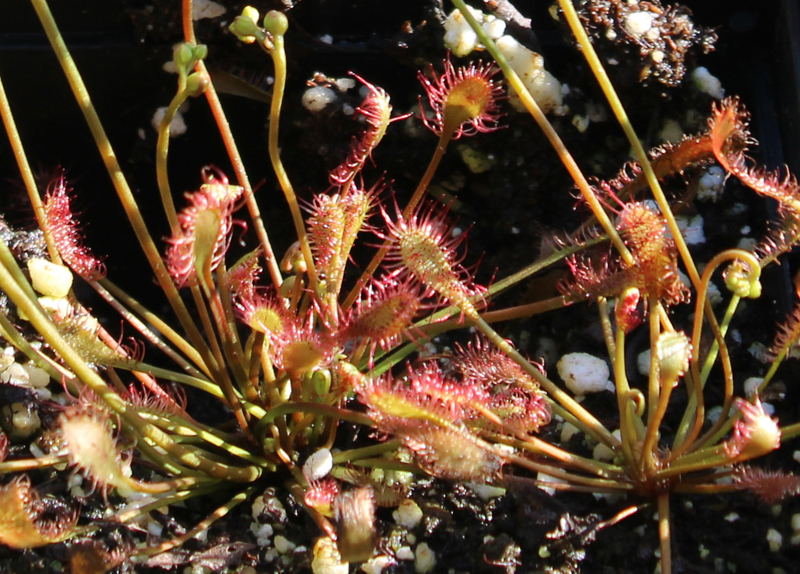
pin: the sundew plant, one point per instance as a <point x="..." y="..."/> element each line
<point x="324" y="359"/>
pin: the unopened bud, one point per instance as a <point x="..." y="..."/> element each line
<point x="276" y="23"/>
<point x="741" y="282"/>
<point x="196" y="84"/>
<point x="245" y="27"/>
<point x="183" y="55"/>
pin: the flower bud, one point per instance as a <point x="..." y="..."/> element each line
<point x="741" y="282"/>
<point x="183" y="55"/>
<point x="245" y="26"/>
<point x="196" y="84"/>
<point x="276" y="23"/>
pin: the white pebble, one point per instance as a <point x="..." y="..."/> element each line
<point x="176" y="128"/>
<point x="404" y="553"/>
<point x="318" y="465"/>
<point x="206" y="9"/>
<point x="583" y="373"/>
<point x="775" y="540"/>
<point x="262" y="532"/>
<point x="377" y="564"/>
<point x="692" y="229"/>
<point x="408" y="514"/>
<point x="459" y="37"/>
<point x="567" y="432"/>
<point x="602" y="452"/>
<point x="345" y="84"/>
<point x="711" y="184"/>
<point x="26" y="421"/>
<point x="542" y="85"/>
<point x="551" y="490"/>
<point x="643" y="363"/>
<point x="154" y="529"/>
<point x="713" y="294"/>
<point x="37" y="377"/>
<point x="581" y="123"/>
<point x="48" y="278"/>
<point x="487" y="491"/>
<point x="327" y="559"/>
<point x="317" y="98"/>
<point x="425" y="559"/>
<point x="751" y="386"/>
<point x="283" y="545"/>
<point x="707" y="83"/>
<point x="16" y="375"/>
<point x="671" y="132"/>
<point x="639" y="23"/>
<point x="493" y="26"/>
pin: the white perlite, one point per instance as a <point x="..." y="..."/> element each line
<point x="774" y="539"/>
<point x="459" y="37"/>
<point x="637" y="24"/>
<point x="751" y="386"/>
<point x="177" y="126"/>
<point x="424" y="559"/>
<point x="48" y="278"/>
<point x="711" y="184"/>
<point x="317" y="98"/>
<point x="206" y="9"/>
<point x="408" y="514"/>
<point x="542" y="85"/>
<point x="708" y="84"/>
<point x="377" y="564"/>
<point x="318" y="465"/>
<point x="583" y="373"/>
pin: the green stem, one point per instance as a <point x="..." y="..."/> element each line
<point x="347" y="456"/>
<point x="697" y="402"/>
<point x="115" y="172"/>
<point x="113" y="295"/>
<point x="27" y="464"/>
<point x="233" y="152"/>
<point x="572" y="478"/>
<point x="278" y="54"/>
<point x="555" y="141"/>
<point x="27" y="174"/>
<point x="42" y="323"/>
<point x="664" y="534"/>
<point x="162" y="150"/>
